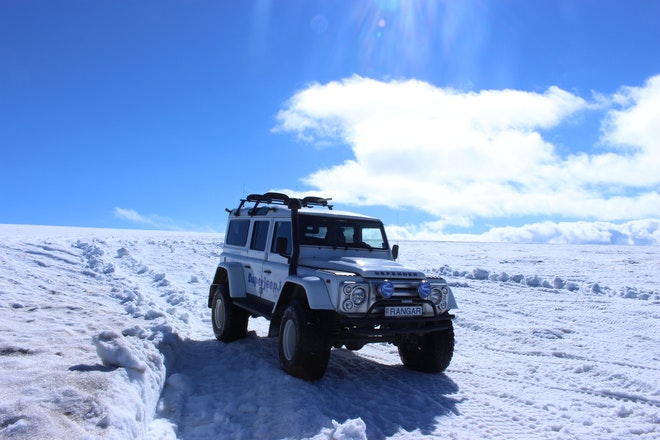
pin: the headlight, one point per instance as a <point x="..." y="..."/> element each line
<point x="386" y="289"/>
<point x="436" y="295"/>
<point x="439" y="297"/>
<point x="355" y="295"/>
<point x="358" y="295"/>
<point x="424" y="289"/>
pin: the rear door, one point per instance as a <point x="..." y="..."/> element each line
<point x="236" y="247"/>
<point x="253" y="265"/>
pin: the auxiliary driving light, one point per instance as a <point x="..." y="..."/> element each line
<point x="386" y="289"/>
<point x="424" y="289"/>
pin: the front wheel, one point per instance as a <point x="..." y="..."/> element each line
<point x="429" y="353"/>
<point x="304" y="348"/>
<point x="229" y="321"/>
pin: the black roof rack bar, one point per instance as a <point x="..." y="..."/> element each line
<point x="253" y="198"/>
<point x="274" y="198"/>
<point x="315" y="201"/>
<point x="256" y="199"/>
<point x="240" y="205"/>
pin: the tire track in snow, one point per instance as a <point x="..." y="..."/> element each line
<point x="603" y="394"/>
<point x="495" y="416"/>
<point x="561" y="355"/>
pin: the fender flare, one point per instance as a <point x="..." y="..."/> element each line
<point x="451" y="301"/>
<point x="232" y="275"/>
<point x="316" y="291"/>
<point x="311" y="289"/>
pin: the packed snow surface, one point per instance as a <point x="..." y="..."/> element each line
<point x="107" y="334"/>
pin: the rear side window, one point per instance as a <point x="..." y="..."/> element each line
<point x="259" y="236"/>
<point x="237" y="232"/>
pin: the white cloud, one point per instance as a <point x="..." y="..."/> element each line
<point x="154" y="221"/>
<point x="481" y="154"/>
<point x="130" y="215"/>
<point x="151" y="220"/>
<point x="637" y="232"/>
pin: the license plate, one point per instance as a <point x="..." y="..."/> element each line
<point x="403" y="311"/>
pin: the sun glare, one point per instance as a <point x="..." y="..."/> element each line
<point x="394" y="36"/>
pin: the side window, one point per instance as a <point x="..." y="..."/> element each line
<point x="282" y="230"/>
<point x="237" y="232"/>
<point x="259" y="235"/>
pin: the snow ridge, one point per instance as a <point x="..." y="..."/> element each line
<point x="557" y="283"/>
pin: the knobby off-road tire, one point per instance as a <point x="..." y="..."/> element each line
<point x="429" y="353"/>
<point x="229" y="321"/>
<point x="303" y="345"/>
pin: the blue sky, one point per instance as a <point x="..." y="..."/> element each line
<point x="495" y="120"/>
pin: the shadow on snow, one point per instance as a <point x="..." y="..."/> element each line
<point x="238" y="390"/>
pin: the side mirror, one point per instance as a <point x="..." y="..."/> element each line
<point x="280" y="246"/>
<point x="395" y="251"/>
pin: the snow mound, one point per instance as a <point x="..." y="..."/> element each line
<point x="117" y="351"/>
<point x="354" y="429"/>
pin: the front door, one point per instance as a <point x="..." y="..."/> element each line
<point x="276" y="265"/>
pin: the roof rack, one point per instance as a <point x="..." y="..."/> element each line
<point x="310" y="201"/>
<point x="274" y="198"/>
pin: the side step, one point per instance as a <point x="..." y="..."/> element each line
<point x="256" y="306"/>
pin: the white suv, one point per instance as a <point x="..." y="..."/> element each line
<point x="325" y="278"/>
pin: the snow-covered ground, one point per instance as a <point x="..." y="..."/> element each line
<point x="106" y="334"/>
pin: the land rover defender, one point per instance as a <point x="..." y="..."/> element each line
<point x="324" y="279"/>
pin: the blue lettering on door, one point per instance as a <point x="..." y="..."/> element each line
<point x="264" y="283"/>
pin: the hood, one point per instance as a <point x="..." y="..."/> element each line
<point x="366" y="267"/>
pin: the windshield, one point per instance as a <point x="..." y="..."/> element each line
<point x="341" y="232"/>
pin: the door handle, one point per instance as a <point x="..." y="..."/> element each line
<point x="247" y="266"/>
<point x="268" y="271"/>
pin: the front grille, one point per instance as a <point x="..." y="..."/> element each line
<point x="401" y="288"/>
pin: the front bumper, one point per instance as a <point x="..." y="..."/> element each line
<point x="374" y="326"/>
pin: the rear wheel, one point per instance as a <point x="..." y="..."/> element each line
<point x="229" y="321"/>
<point x="429" y="353"/>
<point x="303" y="347"/>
